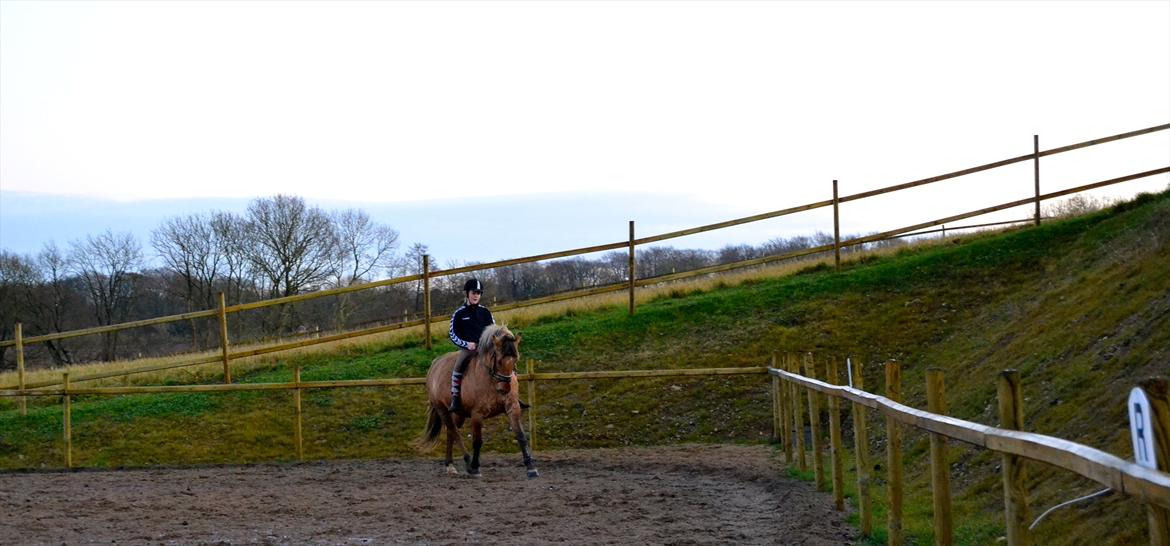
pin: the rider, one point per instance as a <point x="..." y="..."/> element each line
<point x="467" y="323"/>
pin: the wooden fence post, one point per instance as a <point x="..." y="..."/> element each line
<point x="894" y="456"/>
<point x="1157" y="391"/>
<point x="298" y="435"/>
<point x="939" y="469"/>
<point x="861" y="451"/>
<point x="814" y="420"/>
<point x="777" y="435"/>
<point x="780" y="391"/>
<point x="836" y="228"/>
<point x="1036" y="166"/>
<point x="835" y="439"/>
<point x="67" y="415"/>
<point x="531" y="406"/>
<point x="1015" y="495"/>
<point x="19" y="333"/>
<point x="797" y="416"/>
<point x="632" y="270"/>
<point x="427" y="300"/>
<point x="785" y="420"/>
<point x="223" y="340"/>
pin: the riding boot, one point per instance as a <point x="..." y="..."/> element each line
<point x="457" y="381"/>
<point x="456" y="406"/>
<point x="456" y="388"/>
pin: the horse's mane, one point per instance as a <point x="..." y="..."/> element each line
<point x="485" y="344"/>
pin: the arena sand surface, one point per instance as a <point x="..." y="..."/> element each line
<point x="709" y="494"/>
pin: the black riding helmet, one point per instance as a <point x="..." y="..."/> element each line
<point x="472" y="284"/>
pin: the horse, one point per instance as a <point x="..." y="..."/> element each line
<point x="489" y="389"/>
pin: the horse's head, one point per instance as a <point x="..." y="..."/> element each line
<point x="502" y="348"/>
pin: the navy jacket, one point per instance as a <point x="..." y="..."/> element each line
<point x="467" y="323"/>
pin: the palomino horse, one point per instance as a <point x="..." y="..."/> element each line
<point x="489" y="389"/>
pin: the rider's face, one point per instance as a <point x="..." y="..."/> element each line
<point x="473" y="297"/>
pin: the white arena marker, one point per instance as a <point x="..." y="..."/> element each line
<point x="1141" y="429"/>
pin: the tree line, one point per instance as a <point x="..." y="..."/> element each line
<point x="280" y="246"/>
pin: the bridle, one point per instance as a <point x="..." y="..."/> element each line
<point x="497" y="375"/>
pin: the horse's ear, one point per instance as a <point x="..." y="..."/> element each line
<point x="498" y="341"/>
<point x="519" y="338"/>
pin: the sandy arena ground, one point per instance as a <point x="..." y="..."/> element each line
<point x="671" y="495"/>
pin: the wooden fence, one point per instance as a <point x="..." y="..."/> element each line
<point x="631" y="284"/>
<point x="1015" y="446"/>
<point x="67" y="391"/>
<point x="790" y="390"/>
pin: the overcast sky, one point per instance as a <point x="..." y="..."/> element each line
<point x="711" y="109"/>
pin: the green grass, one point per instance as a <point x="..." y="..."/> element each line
<point x="1081" y="307"/>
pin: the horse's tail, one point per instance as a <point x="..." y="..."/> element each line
<point x="429" y="437"/>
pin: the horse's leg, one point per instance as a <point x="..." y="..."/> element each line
<point x="476" y="444"/>
<point x="456" y="422"/>
<point x="463" y="449"/>
<point x="452" y="435"/>
<point x="522" y="440"/>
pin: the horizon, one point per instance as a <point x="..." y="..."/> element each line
<point x="596" y="219"/>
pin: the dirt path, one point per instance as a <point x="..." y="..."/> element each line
<point x="673" y="495"/>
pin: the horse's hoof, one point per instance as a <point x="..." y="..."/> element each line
<point x="533" y="474"/>
<point x="452" y="471"/>
<point x="475" y="474"/>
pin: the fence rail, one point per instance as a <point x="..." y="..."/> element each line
<point x="68" y="391"/>
<point x="1151" y="486"/>
<point x="630" y="284"/>
<point x="388" y="382"/>
<point x="1003" y="163"/>
<point x="1104" y="468"/>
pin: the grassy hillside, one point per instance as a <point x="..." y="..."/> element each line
<point x="1081" y="307"/>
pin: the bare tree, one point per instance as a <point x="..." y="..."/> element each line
<point x="107" y="267"/>
<point x="569" y="274"/>
<point x="16" y="281"/>
<point x="616" y="265"/>
<point x="656" y="261"/>
<point x="524" y="281"/>
<point x="189" y="246"/>
<point x="365" y="245"/>
<point x="412" y="265"/>
<point x="55" y="300"/>
<point x="231" y="231"/>
<point x="293" y="246"/>
<point x="736" y="253"/>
